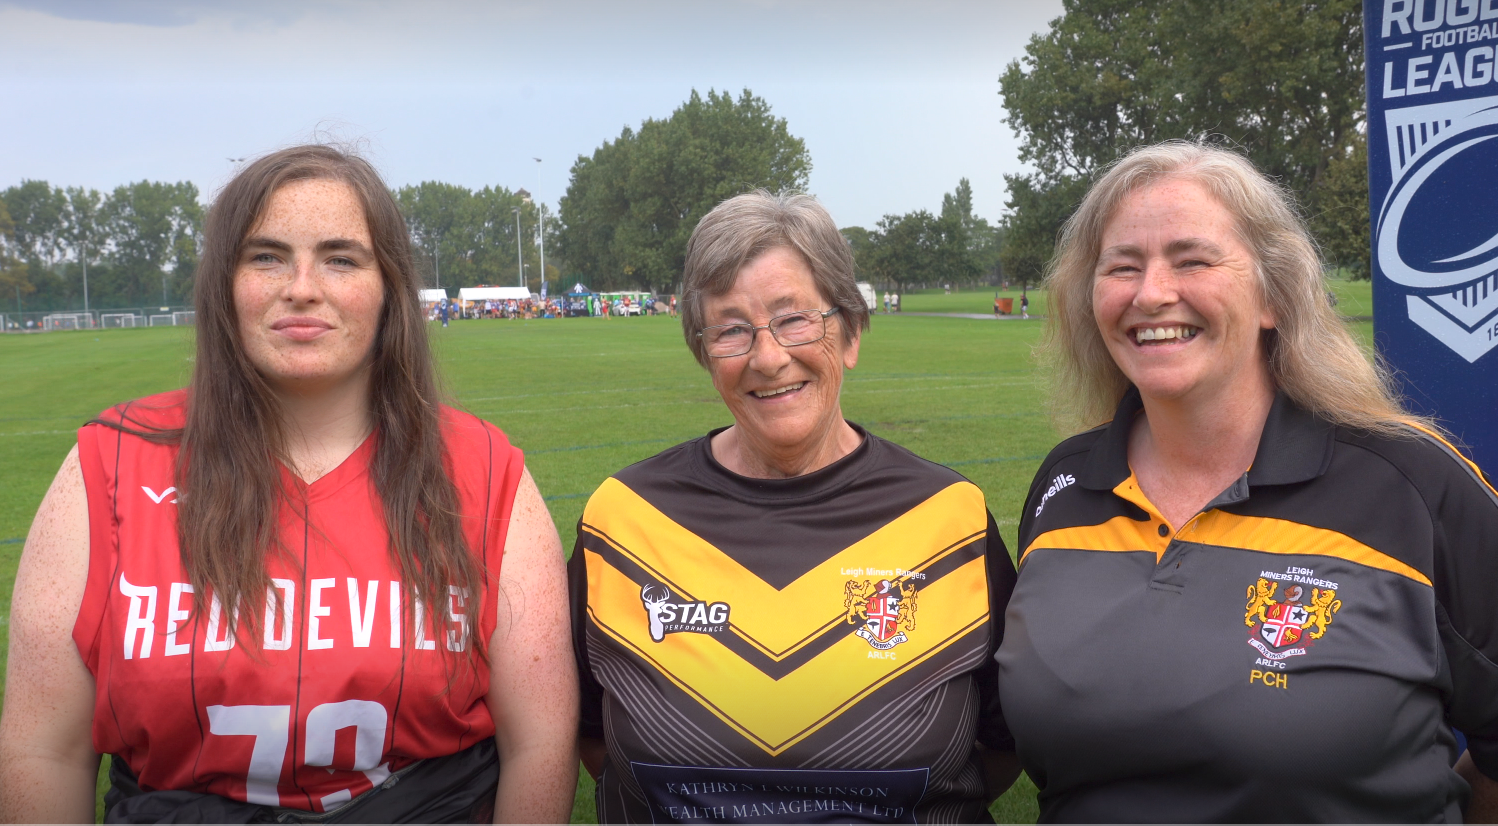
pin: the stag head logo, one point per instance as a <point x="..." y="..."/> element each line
<point x="656" y="597"/>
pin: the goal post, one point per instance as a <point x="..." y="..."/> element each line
<point x="114" y="321"/>
<point x="184" y="318"/>
<point x="67" y="321"/>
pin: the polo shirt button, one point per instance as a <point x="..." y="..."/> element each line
<point x="1164" y="531"/>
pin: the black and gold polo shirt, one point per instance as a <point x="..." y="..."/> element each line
<point x="790" y="650"/>
<point x="1298" y="651"/>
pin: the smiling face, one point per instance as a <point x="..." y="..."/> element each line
<point x="1176" y="297"/>
<point x="308" y="290"/>
<point x="784" y="400"/>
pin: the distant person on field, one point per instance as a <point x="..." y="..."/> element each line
<point x="1024" y="305"/>
<point x="293" y="591"/>
<point x="443" y="311"/>
<point x="1254" y="550"/>
<point x="886" y="302"/>
<point x="786" y="615"/>
<point x="895" y="301"/>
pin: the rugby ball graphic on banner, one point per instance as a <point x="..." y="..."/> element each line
<point x="1437" y="232"/>
<point x="1432" y="86"/>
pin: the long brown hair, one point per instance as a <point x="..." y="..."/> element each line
<point x="1312" y="356"/>
<point x="234" y="435"/>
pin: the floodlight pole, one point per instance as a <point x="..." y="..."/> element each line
<point x="541" y="225"/>
<point x="519" y="260"/>
<point x="84" y="260"/>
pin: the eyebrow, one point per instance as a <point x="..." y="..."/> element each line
<point x="330" y="245"/>
<point x="1174" y="247"/>
<point x="349" y="244"/>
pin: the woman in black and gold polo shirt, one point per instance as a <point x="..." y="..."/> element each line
<point x="1262" y="592"/>
<point x="788" y="619"/>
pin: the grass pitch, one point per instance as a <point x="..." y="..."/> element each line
<point x="584" y="398"/>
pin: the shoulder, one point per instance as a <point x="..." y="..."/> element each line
<point x="904" y="465"/>
<point x="1071" y="453"/>
<point x="1441" y="474"/>
<point x="162" y="411"/>
<point x="463" y="430"/>
<point x="677" y="462"/>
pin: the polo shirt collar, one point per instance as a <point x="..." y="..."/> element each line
<point x="1296" y="446"/>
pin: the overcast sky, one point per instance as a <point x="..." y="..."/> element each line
<point x="896" y="101"/>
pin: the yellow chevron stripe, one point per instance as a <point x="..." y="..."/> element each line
<point x="781" y="622"/>
<point x="777" y="714"/>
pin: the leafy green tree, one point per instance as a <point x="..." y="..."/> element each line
<point x="37" y="210"/>
<point x="13" y="275"/>
<point x="1279" y="79"/>
<point x="630" y="208"/>
<point x="81" y="229"/>
<point x="433" y="210"/>
<point x="1339" y="217"/>
<point x="907" y="251"/>
<point x="466" y="238"/>
<point x="154" y="230"/>
<point x="860" y="242"/>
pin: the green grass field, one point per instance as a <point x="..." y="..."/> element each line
<point x="1354" y="299"/>
<point x="584" y="398"/>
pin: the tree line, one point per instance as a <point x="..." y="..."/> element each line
<point x="1279" y="80"/>
<point x="136" y="246"/>
<point x="952" y="247"/>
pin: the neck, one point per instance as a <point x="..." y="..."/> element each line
<point x="1184" y="454"/>
<point x="737" y="451"/>
<point x="323" y="425"/>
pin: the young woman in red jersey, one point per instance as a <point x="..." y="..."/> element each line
<point x="300" y="588"/>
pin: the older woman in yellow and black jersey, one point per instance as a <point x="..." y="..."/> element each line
<point x="788" y="619"/>
<point x="1262" y="591"/>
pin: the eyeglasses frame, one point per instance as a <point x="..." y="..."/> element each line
<point x="754" y="331"/>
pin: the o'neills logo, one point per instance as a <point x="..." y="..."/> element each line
<point x="669" y="615"/>
<point x="1057" y="484"/>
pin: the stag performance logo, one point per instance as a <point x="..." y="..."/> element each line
<point x="669" y="615"/>
<point x="1436" y="234"/>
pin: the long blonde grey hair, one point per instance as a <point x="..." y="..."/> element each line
<point x="1312" y="357"/>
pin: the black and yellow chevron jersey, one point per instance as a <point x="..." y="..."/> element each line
<point x="1298" y="651"/>
<point x="790" y="650"/>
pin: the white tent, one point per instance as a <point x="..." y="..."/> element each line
<point x="497" y="293"/>
<point x="431" y="295"/>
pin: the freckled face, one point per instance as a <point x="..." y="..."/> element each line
<point x="308" y="290"/>
<point x="1176" y="298"/>
<point x="782" y="398"/>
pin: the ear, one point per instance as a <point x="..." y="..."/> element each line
<point x="850" y="352"/>
<point x="1267" y="320"/>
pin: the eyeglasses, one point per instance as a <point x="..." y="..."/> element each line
<point x="723" y="341"/>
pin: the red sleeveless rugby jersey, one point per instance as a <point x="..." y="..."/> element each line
<point x="341" y="692"/>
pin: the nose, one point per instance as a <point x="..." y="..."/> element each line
<point x="767" y="356"/>
<point x="1157" y="287"/>
<point x="303" y="287"/>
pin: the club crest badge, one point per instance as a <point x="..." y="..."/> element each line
<point x="881" y="609"/>
<point x="1286" y="627"/>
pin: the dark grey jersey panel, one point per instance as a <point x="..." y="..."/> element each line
<point x="1298" y="651"/>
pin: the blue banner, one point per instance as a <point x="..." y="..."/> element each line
<point x="1433" y="196"/>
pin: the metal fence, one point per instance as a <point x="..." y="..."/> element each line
<point x="114" y="319"/>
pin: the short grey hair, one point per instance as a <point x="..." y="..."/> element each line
<point x="747" y="226"/>
<point x="1312" y="356"/>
